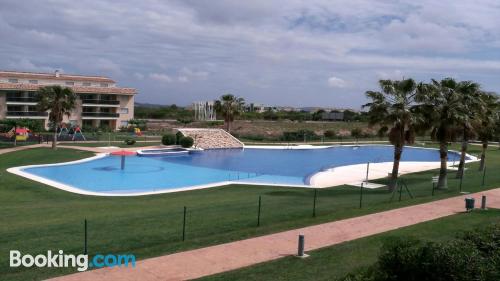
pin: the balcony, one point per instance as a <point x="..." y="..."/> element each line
<point x="95" y="102"/>
<point x="22" y="100"/>
<point x="100" y="115"/>
<point x="26" y="114"/>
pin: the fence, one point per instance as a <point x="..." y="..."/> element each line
<point x="180" y="226"/>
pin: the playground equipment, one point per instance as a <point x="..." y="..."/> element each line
<point x="63" y="128"/>
<point x="22" y="134"/>
<point x="137" y="132"/>
<point x="75" y="131"/>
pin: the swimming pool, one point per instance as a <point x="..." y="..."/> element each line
<point x="292" y="167"/>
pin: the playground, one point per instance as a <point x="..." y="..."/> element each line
<point x="22" y="133"/>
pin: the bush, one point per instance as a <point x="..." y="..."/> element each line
<point x="300" y="135"/>
<point x="168" y="139"/>
<point x="129" y="141"/>
<point x="186" y="142"/>
<point x="330" y="134"/>
<point x="473" y="256"/>
<point x="356" y="133"/>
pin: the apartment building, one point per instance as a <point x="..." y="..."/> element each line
<point x="100" y="103"/>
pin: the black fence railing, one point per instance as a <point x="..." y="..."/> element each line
<point x="27" y="113"/>
<point x="100" y="114"/>
<point x="97" y="101"/>
<point x="21" y="99"/>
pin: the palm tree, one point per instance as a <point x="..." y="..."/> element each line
<point x="229" y="106"/>
<point x="443" y="115"/>
<point x="470" y="105"/>
<point x="59" y="101"/>
<point x="486" y="124"/>
<point x="393" y="110"/>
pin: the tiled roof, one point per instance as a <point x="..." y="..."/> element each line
<point x="76" y="89"/>
<point x="52" y="76"/>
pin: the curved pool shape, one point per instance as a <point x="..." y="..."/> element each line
<point x="291" y="167"/>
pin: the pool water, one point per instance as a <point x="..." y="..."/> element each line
<point x="272" y="166"/>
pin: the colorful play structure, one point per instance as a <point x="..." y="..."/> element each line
<point x="21" y="133"/>
<point x="137" y="132"/>
<point x="75" y="131"/>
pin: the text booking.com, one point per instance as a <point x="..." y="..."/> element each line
<point x="60" y="259"/>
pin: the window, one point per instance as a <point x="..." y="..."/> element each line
<point x="124" y="110"/>
<point x="124" y="124"/>
<point x="86" y="84"/>
<point x="104" y="84"/>
<point x="13" y="80"/>
<point x="70" y="83"/>
<point x="33" y="81"/>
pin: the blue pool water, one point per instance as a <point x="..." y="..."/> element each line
<point x="278" y="166"/>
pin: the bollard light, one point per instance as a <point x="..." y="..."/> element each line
<point x="300" y="252"/>
<point x="483" y="202"/>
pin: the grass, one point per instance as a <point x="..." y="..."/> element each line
<point x="37" y="218"/>
<point x="336" y="261"/>
<point x="113" y="143"/>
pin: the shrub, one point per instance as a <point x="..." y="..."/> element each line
<point x="178" y="136"/>
<point x="186" y="142"/>
<point x="168" y="139"/>
<point x="330" y="134"/>
<point x="473" y="256"/>
<point x="299" y="135"/>
<point x="356" y="133"/>
<point x="129" y="141"/>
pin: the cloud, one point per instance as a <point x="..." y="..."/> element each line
<point x="161" y="77"/>
<point x="262" y="50"/>
<point x="336" y="82"/>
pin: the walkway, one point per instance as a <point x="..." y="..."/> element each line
<point x="215" y="259"/>
<point x="103" y="149"/>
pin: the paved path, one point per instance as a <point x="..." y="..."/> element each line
<point x="215" y="259"/>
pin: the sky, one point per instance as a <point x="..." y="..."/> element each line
<point x="276" y="52"/>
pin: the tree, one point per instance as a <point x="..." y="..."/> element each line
<point x="470" y="105"/>
<point x="443" y="111"/>
<point x="229" y="106"/>
<point x="393" y="110"/>
<point x="59" y="101"/>
<point x="486" y="124"/>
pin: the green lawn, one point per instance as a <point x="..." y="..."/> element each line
<point x="36" y="218"/>
<point x="113" y="143"/>
<point x="336" y="261"/>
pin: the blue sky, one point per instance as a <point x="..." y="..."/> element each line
<point x="286" y="52"/>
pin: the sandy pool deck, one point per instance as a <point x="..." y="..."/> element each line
<point x="355" y="174"/>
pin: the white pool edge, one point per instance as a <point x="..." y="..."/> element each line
<point x="19" y="171"/>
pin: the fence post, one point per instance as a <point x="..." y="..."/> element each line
<point x="85" y="237"/>
<point x="461" y="179"/>
<point x="314" y="202"/>
<point x="484" y="175"/>
<point x="184" y="225"/>
<point x="367" y="171"/>
<point x="361" y="196"/>
<point x="258" y="212"/>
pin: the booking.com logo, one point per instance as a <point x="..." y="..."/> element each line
<point x="59" y="259"/>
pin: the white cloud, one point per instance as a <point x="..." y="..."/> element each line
<point x="336" y="82"/>
<point x="198" y="50"/>
<point x="160" y="77"/>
